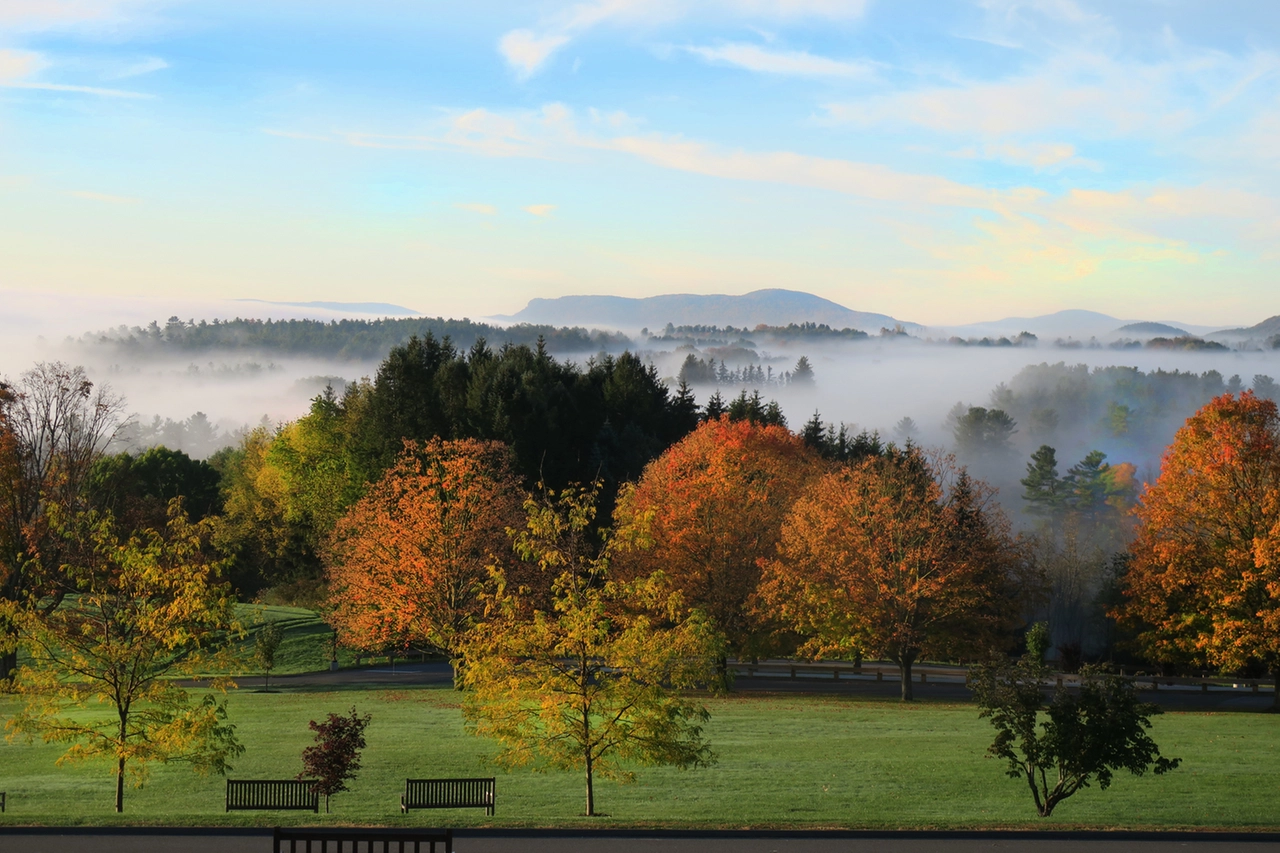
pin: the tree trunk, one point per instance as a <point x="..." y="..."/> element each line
<point x="904" y="670"/>
<point x="591" y="796"/>
<point x="326" y="803"/>
<point x="8" y="665"/>
<point x="120" y="786"/>
<point x="1275" y="696"/>
<point x="266" y="682"/>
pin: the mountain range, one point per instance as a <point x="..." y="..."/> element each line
<point x="779" y="307"/>
<point x="773" y="307"/>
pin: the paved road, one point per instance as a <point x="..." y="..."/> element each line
<point x="13" y="841"/>
<point x="950" y="689"/>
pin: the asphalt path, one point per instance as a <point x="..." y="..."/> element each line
<point x="482" y="841"/>
<point x="944" y="684"/>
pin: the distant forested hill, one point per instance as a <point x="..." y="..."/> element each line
<point x="342" y="339"/>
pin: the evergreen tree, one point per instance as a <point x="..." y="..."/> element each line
<point x="1042" y="487"/>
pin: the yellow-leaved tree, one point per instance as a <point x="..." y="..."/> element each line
<point x="594" y="681"/>
<point x="145" y="610"/>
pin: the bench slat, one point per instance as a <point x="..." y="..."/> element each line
<point x="272" y="794"/>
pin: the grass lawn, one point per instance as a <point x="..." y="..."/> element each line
<point x="812" y="761"/>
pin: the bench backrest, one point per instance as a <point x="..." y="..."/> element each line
<point x="272" y="794"/>
<point x="448" y="793"/>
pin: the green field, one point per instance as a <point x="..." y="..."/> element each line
<point x="816" y="761"/>
<point x="793" y="760"/>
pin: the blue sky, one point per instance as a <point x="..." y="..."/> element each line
<point x="943" y="162"/>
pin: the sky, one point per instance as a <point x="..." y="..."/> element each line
<point x="941" y="162"/>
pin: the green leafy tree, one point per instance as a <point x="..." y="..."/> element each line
<point x="334" y="759"/>
<point x="266" y="642"/>
<point x="1077" y="737"/>
<point x="982" y="433"/>
<point x="145" y="610"/>
<point x="592" y="682"/>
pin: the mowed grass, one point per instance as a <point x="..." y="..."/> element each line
<point x="784" y="761"/>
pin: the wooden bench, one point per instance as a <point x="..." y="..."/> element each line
<point x="362" y="840"/>
<point x="448" y="794"/>
<point x="272" y="794"/>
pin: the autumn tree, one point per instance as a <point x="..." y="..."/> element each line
<point x="334" y="759"/>
<point x="1080" y="735"/>
<point x="54" y="424"/>
<point x="708" y="510"/>
<point x="145" y="610"/>
<point x="406" y="563"/>
<point x="885" y="558"/>
<point x="593" y="681"/>
<point x="1204" y="583"/>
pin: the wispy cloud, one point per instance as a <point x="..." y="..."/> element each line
<point x="37" y="15"/>
<point x="103" y="197"/>
<point x="795" y="63"/>
<point x="146" y="65"/>
<point x="1041" y="156"/>
<point x="82" y="90"/>
<point x="18" y="66"/>
<point x="528" y="49"/>
<point x="540" y="209"/>
<point x="483" y="209"/>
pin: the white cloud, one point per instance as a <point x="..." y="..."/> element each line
<point x="540" y="209"/>
<point x="483" y="209"/>
<point x="797" y="63"/>
<point x="527" y="50"/>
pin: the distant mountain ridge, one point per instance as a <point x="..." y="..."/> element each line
<point x="774" y="307"/>
<point x="1265" y="329"/>
<point x="383" y="309"/>
<point x="1079" y="324"/>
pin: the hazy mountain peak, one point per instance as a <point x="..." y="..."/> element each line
<point x="772" y="306"/>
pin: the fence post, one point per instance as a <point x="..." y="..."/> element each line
<point x="793" y="672"/>
<point x="835" y="673"/>
<point x="879" y="675"/>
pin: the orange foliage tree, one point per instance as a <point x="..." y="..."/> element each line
<point x="406" y="563"/>
<point x="708" y="511"/>
<point x="884" y="559"/>
<point x="1204" y="583"/>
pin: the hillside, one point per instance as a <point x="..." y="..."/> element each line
<point x="1152" y="329"/>
<point x="774" y="307"/>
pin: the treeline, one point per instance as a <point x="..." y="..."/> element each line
<point x="342" y="339"/>
<point x="698" y="371"/>
<point x="1115" y="407"/>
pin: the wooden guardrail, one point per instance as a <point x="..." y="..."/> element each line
<point x="369" y="840"/>
<point x="878" y="671"/>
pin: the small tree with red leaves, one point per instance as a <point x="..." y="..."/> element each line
<point x="335" y="758"/>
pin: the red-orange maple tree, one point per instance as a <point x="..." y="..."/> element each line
<point x="1204" y="584"/>
<point x="881" y="559"/>
<point x="709" y="510"/>
<point x="406" y="563"/>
